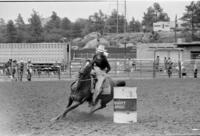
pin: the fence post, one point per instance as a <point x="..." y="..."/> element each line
<point x="179" y="69"/>
<point x="179" y="65"/>
<point x="140" y="68"/>
<point x="116" y="66"/>
<point x="154" y="68"/>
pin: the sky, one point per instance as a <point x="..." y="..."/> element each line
<point x="79" y="9"/>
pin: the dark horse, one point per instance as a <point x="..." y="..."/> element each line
<point x="81" y="91"/>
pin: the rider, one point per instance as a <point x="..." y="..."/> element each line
<point x="101" y="67"/>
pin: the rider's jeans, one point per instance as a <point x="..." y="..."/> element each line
<point x="100" y="74"/>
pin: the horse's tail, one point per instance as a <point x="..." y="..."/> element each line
<point x="120" y="83"/>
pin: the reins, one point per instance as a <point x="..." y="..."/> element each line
<point x="86" y="79"/>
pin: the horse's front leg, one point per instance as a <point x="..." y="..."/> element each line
<point x="67" y="110"/>
<point x="61" y="116"/>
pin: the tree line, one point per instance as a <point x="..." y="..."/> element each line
<point x="56" y="29"/>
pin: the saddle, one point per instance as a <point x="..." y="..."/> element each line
<point x="106" y="87"/>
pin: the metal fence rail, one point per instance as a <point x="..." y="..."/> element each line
<point x="129" y="68"/>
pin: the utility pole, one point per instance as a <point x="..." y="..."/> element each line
<point x="125" y="32"/>
<point x="125" y="28"/>
<point x="117" y="16"/>
<point x="192" y="19"/>
<point x="175" y="29"/>
<point x="125" y="16"/>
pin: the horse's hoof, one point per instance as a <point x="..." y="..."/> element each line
<point x="55" y="119"/>
<point x="92" y="110"/>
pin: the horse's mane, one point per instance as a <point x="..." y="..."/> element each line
<point x="81" y="80"/>
<point x="84" y="69"/>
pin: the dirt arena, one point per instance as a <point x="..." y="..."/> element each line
<point x="165" y="107"/>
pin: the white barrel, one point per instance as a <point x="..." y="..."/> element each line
<point x="125" y="105"/>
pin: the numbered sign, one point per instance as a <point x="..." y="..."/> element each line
<point x="125" y="105"/>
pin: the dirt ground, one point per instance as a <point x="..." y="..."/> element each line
<point x="164" y="107"/>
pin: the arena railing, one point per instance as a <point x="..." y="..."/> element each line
<point x="129" y="68"/>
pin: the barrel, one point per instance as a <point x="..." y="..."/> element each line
<point x="125" y="105"/>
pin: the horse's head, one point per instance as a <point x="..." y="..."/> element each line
<point x="85" y="71"/>
<point x="84" y="81"/>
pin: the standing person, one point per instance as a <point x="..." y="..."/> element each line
<point x="165" y="63"/>
<point x="20" y="70"/>
<point x="9" y="68"/>
<point x="101" y="67"/>
<point x="195" y="70"/>
<point x="58" y="69"/>
<point x="14" y="69"/>
<point x="157" y="63"/>
<point x="29" y="66"/>
<point x="169" y="67"/>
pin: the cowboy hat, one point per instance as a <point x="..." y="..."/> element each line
<point x="101" y="48"/>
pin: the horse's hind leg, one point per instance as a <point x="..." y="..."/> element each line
<point x="103" y="105"/>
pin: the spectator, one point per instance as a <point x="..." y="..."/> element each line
<point x="29" y="70"/>
<point x="58" y="69"/>
<point x="169" y="67"/>
<point x="183" y="70"/>
<point x="165" y="63"/>
<point x="157" y="63"/>
<point x="20" y="70"/>
<point x="195" y="70"/>
<point x="14" y="69"/>
<point x="134" y="64"/>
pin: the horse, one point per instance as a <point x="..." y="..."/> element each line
<point x="81" y="91"/>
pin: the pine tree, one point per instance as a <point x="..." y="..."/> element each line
<point x="192" y="18"/>
<point x="154" y="14"/>
<point x="2" y="31"/>
<point x="11" y="32"/>
<point x="54" y="23"/>
<point x="19" y="21"/>
<point x="65" y="24"/>
<point x="134" y="26"/>
<point x="22" y="33"/>
<point x="35" y="28"/>
<point x="111" y="23"/>
<point x="149" y="19"/>
<point x="98" y="21"/>
<point x="2" y="22"/>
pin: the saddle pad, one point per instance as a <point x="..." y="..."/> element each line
<point x="106" y="87"/>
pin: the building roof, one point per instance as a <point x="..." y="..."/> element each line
<point x="188" y="44"/>
<point x="166" y="48"/>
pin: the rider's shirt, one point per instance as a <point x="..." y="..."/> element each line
<point x="101" y="61"/>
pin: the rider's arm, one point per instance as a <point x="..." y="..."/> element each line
<point x="108" y="68"/>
